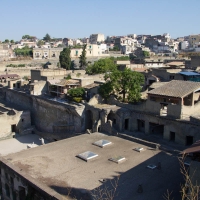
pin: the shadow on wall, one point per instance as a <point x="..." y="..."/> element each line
<point x="154" y="183"/>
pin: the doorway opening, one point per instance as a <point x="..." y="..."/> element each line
<point x="126" y="124"/>
<point x="172" y="136"/>
<point x="156" y="129"/>
<point x="13" y="127"/>
<point x="189" y="140"/>
<point x="22" y="193"/>
<point x="99" y="128"/>
<point x="18" y="85"/>
<point x="141" y="125"/>
<point x="88" y="120"/>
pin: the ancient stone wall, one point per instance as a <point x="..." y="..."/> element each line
<point x="49" y="116"/>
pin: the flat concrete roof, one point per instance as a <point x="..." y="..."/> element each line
<point x="14" y="145"/>
<point x="56" y="166"/>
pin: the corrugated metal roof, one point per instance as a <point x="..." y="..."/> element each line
<point x="176" y="88"/>
<point x="189" y="73"/>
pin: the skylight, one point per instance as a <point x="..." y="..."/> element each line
<point x="102" y="143"/>
<point x="151" y="166"/>
<point x="117" y="159"/>
<point x="88" y="155"/>
<point x="139" y="149"/>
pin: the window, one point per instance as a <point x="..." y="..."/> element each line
<point x="152" y="98"/>
<point x="7" y="190"/>
<point x="90" y="52"/>
<point x="6" y="175"/>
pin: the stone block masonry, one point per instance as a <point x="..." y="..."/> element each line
<point x="49" y="116"/>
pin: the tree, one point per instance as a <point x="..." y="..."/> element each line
<point x="12" y="41"/>
<point x="6" y="41"/>
<point x="47" y="38"/>
<point x="65" y="59"/>
<point x="40" y="43"/>
<point x="102" y="66"/>
<point x="26" y="37"/>
<point x="82" y="58"/>
<point x="25" y="51"/>
<point x="127" y="82"/>
<point x="146" y="54"/>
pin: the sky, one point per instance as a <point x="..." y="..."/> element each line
<point x="80" y="18"/>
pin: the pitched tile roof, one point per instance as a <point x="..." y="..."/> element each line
<point x="176" y="88"/>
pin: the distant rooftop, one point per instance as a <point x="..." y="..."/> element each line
<point x="189" y="73"/>
<point x="176" y="88"/>
<point x="63" y="82"/>
<point x="9" y="76"/>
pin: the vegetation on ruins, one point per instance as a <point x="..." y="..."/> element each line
<point x="146" y="54"/>
<point x="101" y="66"/>
<point x="126" y="85"/>
<point x="68" y="77"/>
<point x="78" y="74"/>
<point x="25" y="51"/>
<point x="65" y="59"/>
<point x="121" y="58"/>
<point x="82" y="58"/>
<point x="77" y="94"/>
<point x="12" y="65"/>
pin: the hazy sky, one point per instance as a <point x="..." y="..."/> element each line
<point x="80" y="18"/>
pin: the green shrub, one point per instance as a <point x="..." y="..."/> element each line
<point x="78" y="74"/>
<point x="76" y="92"/>
<point x="21" y="65"/>
<point x="68" y="77"/>
<point x="11" y="65"/>
<point x="77" y="99"/>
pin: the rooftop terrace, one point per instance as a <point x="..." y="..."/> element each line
<point x="57" y="166"/>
